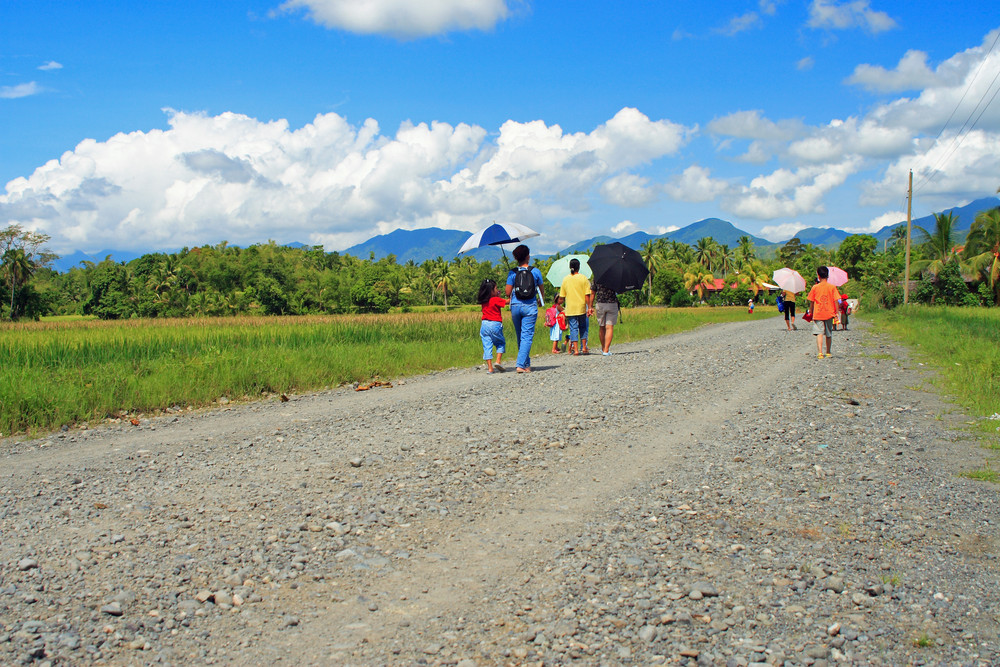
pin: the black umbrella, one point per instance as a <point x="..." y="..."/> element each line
<point x="618" y="267"/>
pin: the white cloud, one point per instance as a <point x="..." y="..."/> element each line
<point x="741" y="23"/>
<point x="695" y="184"/>
<point x="805" y="64"/>
<point x="402" y="18"/>
<point x="20" y="90"/>
<point x="846" y="15"/>
<point x="50" y="65"/>
<point x="628" y="190"/>
<point x="625" y="227"/>
<point x="781" y="232"/>
<point x="785" y="193"/>
<point x="661" y="230"/>
<point x="851" y="137"/>
<point x="232" y="177"/>
<point x="751" y="125"/>
<point x="912" y="73"/>
<point x="877" y="223"/>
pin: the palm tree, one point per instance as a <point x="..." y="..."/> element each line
<point x="725" y="259"/>
<point x="745" y="251"/>
<point x="18" y="267"/>
<point x="982" y="246"/>
<point x="443" y="278"/>
<point x="651" y="256"/>
<point x="753" y="275"/>
<point x="704" y="251"/>
<point x="696" y="279"/>
<point x="939" y="244"/>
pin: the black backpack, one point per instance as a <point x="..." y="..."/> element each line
<point x="524" y="285"/>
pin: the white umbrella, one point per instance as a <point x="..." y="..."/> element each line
<point x="560" y="269"/>
<point x="497" y="234"/>
<point x="789" y="280"/>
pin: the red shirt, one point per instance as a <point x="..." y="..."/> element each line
<point x="491" y="309"/>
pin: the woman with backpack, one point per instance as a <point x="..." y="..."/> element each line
<point x="525" y="291"/>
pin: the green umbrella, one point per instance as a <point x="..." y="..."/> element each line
<point x="560" y="269"/>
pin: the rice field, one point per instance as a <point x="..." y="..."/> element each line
<point x="69" y="372"/>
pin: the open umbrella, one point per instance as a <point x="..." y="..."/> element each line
<point x="560" y="269"/>
<point x="497" y="234"/>
<point x="837" y="276"/>
<point x="618" y="267"/>
<point x="789" y="280"/>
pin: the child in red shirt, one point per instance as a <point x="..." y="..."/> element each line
<point x="491" y="329"/>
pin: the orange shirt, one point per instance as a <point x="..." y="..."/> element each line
<point x="824" y="297"/>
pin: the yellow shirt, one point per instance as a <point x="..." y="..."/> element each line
<point x="575" y="288"/>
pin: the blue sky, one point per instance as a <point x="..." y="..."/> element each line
<point x="169" y="124"/>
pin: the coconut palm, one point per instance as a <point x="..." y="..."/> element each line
<point x="753" y="275"/>
<point x="443" y="279"/>
<point x="982" y="246"/>
<point x="724" y="259"/>
<point x="653" y="259"/>
<point x="18" y="268"/>
<point x="745" y="251"/>
<point x="704" y="251"/>
<point x="696" y="279"/>
<point x="939" y="244"/>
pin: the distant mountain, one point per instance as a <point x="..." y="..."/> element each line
<point x="824" y="237"/>
<point x="420" y="245"/>
<point x="64" y="264"/>
<point x="966" y="215"/>
<point x="722" y="231"/>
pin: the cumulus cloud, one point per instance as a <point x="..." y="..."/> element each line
<point x="781" y="232"/>
<point x="50" y="65"/>
<point x="628" y="190"/>
<point x="695" y="184"/>
<point x="625" y="227"/>
<point x="20" y="90"/>
<point x="402" y="18"/>
<point x="785" y="193"/>
<point x="752" y="125"/>
<point x="877" y="223"/>
<point x="741" y="23"/>
<point x="866" y="138"/>
<point x="232" y="177"/>
<point x="846" y="15"/>
<point x="912" y="73"/>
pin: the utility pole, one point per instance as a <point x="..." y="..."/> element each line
<point x="909" y="225"/>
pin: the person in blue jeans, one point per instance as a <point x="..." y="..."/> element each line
<point x="524" y="304"/>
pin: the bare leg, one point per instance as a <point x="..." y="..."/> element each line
<point x="606" y="338"/>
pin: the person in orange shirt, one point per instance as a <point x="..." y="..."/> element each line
<point x="823" y="298"/>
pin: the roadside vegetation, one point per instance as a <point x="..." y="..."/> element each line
<point x="59" y="373"/>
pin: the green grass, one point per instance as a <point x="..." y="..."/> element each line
<point x="66" y="372"/>
<point x="962" y="343"/>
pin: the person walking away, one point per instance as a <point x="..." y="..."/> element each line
<point x="552" y="321"/>
<point x="575" y="289"/>
<point x="491" y="329"/>
<point x="823" y="299"/>
<point x="525" y="291"/>
<point x="790" y="310"/>
<point x="845" y="311"/>
<point x="606" y="313"/>
<point x="750" y="306"/>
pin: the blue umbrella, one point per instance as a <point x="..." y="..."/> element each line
<point x="497" y="234"/>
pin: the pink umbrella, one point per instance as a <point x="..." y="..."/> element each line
<point x="837" y="276"/>
<point x="789" y="280"/>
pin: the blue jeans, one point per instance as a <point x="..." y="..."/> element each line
<point x="492" y="334"/>
<point x="578" y="327"/>
<point x="524" y="316"/>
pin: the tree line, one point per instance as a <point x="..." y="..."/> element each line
<point x="270" y="279"/>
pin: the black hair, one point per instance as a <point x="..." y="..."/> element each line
<point x="823" y="272"/>
<point x="574" y="265"/>
<point x="485" y="290"/>
<point x="521" y="253"/>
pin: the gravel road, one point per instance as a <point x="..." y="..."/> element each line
<point x="719" y="497"/>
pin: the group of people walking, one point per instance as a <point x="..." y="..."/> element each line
<point x="828" y="309"/>
<point x="525" y="293"/>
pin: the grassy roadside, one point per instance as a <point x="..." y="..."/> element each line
<point x="963" y="344"/>
<point x="66" y="372"/>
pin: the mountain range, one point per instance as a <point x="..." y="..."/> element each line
<point x="420" y="245"/>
